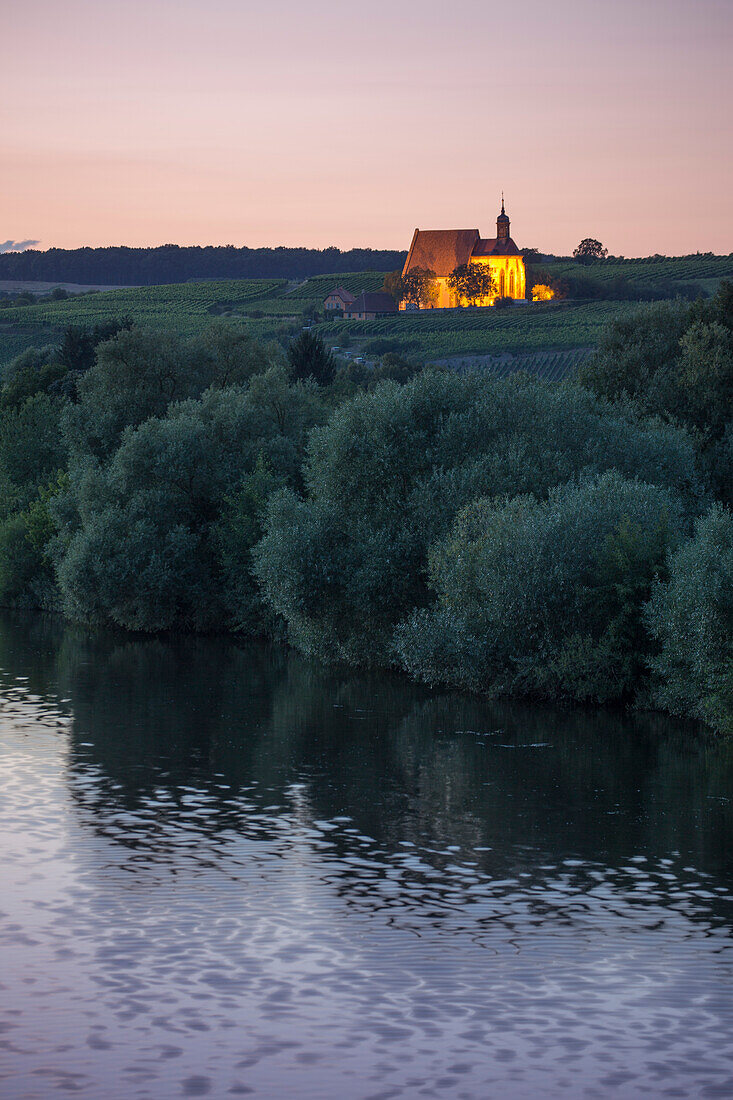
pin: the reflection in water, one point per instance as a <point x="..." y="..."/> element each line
<point x="228" y="871"/>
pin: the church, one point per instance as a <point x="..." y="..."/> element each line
<point x="443" y="250"/>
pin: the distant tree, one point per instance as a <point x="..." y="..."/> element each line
<point x="309" y="357"/>
<point x="394" y="285"/>
<point x="79" y="343"/>
<point x="420" y="286"/>
<point x="472" y="282"/>
<point x="589" y="250"/>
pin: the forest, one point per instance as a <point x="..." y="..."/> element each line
<point x="569" y="541"/>
<point x="172" y="263"/>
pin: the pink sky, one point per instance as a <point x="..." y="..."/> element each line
<point x="226" y="122"/>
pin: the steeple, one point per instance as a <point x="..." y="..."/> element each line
<point x="502" y="223"/>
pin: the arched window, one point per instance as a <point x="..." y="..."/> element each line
<point x="511" y="285"/>
<point x="501" y="285"/>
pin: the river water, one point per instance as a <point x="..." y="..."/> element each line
<point x="228" y="872"/>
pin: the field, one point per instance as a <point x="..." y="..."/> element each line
<point x="272" y="308"/>
<point x="443" y="334"/>
<point x="703" y="269"/>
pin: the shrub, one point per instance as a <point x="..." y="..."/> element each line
<point x="545" y="597"/>
<point x="691" y="617"/>
<point x="390" y="470"/>
<point x="144" y="540"/>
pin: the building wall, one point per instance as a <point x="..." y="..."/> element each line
<point x="334" y="302"/>
<point x="508" y="273"/>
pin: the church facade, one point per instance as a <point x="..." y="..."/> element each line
<point x="443" y="250"/>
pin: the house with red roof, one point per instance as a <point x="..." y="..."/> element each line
<point x="338" y="299"/>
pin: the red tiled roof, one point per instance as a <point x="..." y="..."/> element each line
<point x="373" y="303"/>
<point x="440" y="250"/>
<point x="493" y="246"/>
<point x="342" y="293"/>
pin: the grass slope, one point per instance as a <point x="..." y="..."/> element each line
<point x="269" y="306"/>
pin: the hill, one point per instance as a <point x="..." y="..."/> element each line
<point x="278" y="308"/>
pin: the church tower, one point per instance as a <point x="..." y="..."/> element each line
<point x="502" y="223"/>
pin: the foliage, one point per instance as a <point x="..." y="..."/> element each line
<point x="589" y="250"/>
<point x="394" y="285"/>
<point x="309" y="358"/>
<point x="388" y="472"/>
<point x="545" y="596"/>
<point x="142" y="543"/>
<point x="35" y="370"/>
<point x="26" y="572"/>
<point x="419" y="286"/>
<point x="79" y="343"/>
<point x="691" y="617"/>
<point x="472" y="283"/>
<point x="676" y="363"/>
<point x="32" y="450"/>
<point x="237" y="530"/>
<point x="395" y="368"/>
<point x="140" y="372"/>
<point x="170" y="263"/>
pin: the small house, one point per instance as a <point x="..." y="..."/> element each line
<point x="369" y="306"/>
<point x="338" y="299"/>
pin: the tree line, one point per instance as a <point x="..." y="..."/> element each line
<point x="508" y="536"/>
<point x="170" y="263"/>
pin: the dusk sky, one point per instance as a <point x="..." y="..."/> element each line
<point x="228" y="122"/>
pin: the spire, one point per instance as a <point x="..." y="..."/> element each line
<point x="502" y="223"/>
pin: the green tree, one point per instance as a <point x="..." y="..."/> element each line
<point x="309" y="357"/>
<point x="589" y="250"/>
<point x="32" y="450"/>
<point x="140" y="535"/>
<point x="391" y="468"/>
<point x="419" y="286"/>
<point x="139" y="373"/>
<point x="546" y="596"/>
<point x="394" y="284"/>
<point x="472" y="283"/>
<point x="691" y="617"/>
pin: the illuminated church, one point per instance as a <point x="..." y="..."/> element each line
<point x="443" y="250"/>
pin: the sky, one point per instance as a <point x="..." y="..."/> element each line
<point x="287" y="122"/>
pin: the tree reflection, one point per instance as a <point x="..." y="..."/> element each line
<point x="247" y="739"/>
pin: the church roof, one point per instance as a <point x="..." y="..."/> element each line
<point x="494" y="246"/>
<point x="440" y="250"/>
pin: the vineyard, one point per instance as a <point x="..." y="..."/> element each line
<point x="276" y="308"/>
<point x="704" y="269"/>
<point x="552" y="366"/>
<point x="441" y="334"/>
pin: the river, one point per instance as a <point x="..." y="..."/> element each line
<point x="228" y="872"/>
